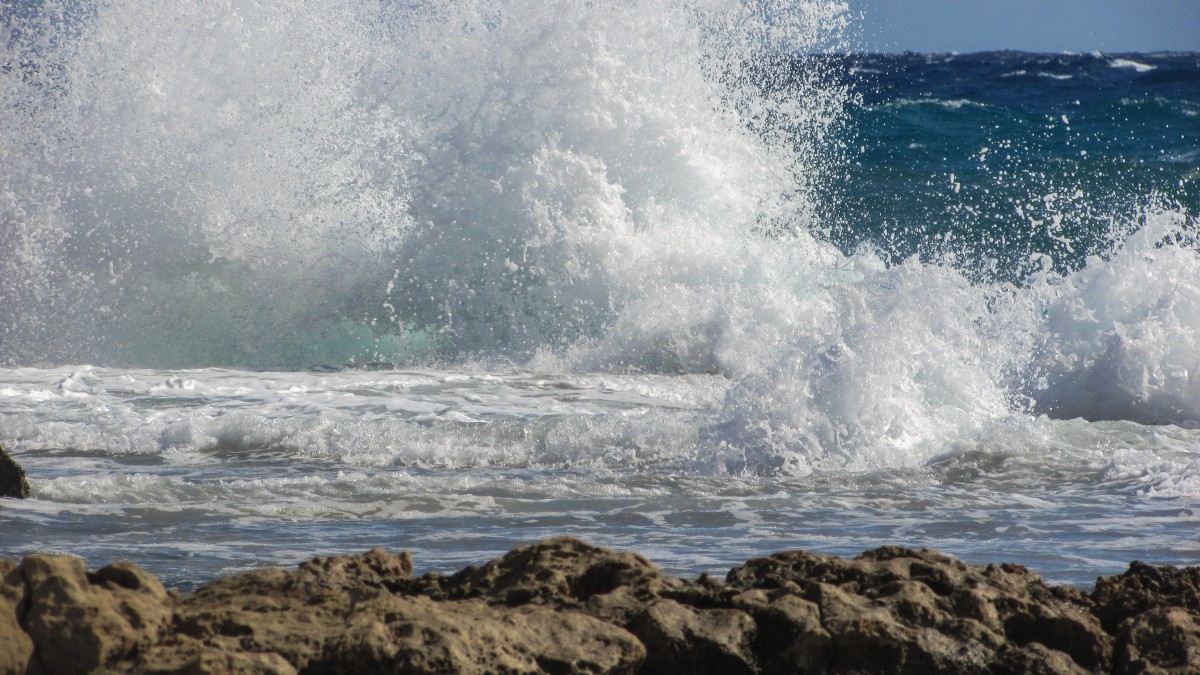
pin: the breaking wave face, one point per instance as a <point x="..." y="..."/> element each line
<point x="580" y="186"/>
<point x="917" y="362"/>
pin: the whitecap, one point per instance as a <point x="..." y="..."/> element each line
<point x="1131" y="64"/>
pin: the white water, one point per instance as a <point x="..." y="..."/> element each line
<point x="248" y="184"/>
<point x="201" y="472"/>
<point x="597" y="246"/>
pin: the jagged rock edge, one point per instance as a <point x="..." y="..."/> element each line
<point x="1149" y="596"/>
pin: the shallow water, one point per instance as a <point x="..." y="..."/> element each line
<point x="198" y="473"/>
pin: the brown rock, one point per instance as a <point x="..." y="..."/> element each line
<point x="898" y="610"/>
<point x="557" y="570"/>
<point x="412" y="635"/>
<point x="1154" y="612"/>
<point x="1035" y="659"/>
<point x="563" y="606"/>
<point x="12" y="478"/>
<point x="339" y="615"/>
<point x="789" y="637"/>
<point x="682" y="639"/>
<point x="16" y="648"/>
<point x="561" y="572"/>
<point x="874" y="636"/>
<point x="374" y="569"/>
<point x="81" y="622"/>
<point x="199" y="659"/>
<point x="1159" y="641"/>
<point x="1143" y="587"/>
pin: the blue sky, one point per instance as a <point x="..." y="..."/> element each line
<point x="1027" y="25"/>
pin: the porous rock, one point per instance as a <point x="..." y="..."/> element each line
<point x="82" y="622"/>
<point x="560" y="572"/>
<point x="898" y="610"/>
<point x="16" y="647"/>
<point x="564" y="606"/>
<point x="1160" y="640"/>
<point x="683" y="639"/>
<point x="342" y="615"/>
<point x="12" y="477"/>
<point x="1143" y="587"/>
<point x="1155" y="614"/>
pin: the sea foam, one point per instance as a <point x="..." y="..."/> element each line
<point x="589" y="187"/>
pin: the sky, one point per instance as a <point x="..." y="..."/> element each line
<point x="1026" y="25"/>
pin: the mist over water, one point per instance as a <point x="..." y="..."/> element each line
<point x="255" y="185"/>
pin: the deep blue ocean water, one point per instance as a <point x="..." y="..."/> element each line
<point x="278" y="282"/>
<point x="1013" y="155"/>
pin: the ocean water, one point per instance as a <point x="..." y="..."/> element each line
<point x="686" y="277"/>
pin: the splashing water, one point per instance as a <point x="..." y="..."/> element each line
<point x="251" y="185"/>
<point x="625" y="187"/>
<point x="919" y="361"/>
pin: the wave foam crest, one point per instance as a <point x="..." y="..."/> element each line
<point x="914" y="360"/>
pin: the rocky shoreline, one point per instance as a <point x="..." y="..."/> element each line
<point x="564" y="606"/>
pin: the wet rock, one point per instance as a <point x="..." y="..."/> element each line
<point x="12" y="478"/>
